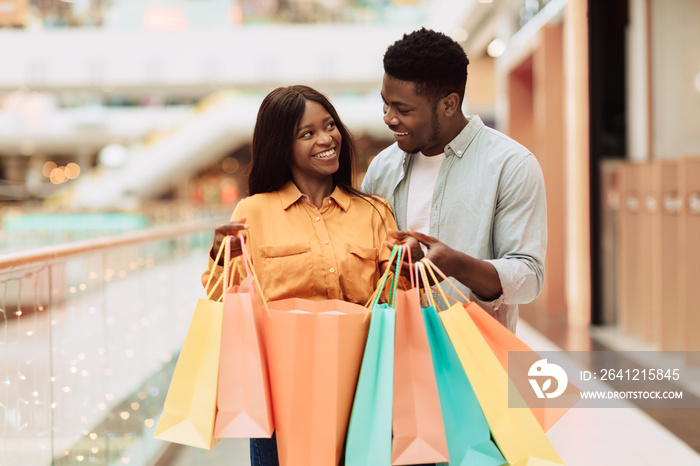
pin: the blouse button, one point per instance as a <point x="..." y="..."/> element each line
<point x="332" y="270"/>
<point x="325" y="242"/>
<point x="317" y="218"/>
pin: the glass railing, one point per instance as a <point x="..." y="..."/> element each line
<point x="28" y="227"/>
<point x="89" y="332"/>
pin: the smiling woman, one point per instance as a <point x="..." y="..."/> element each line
<point x="310" y="233"/>
<point x="315" y="153"/>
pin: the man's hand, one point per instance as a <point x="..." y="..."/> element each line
<point x="221" y="232"/>
<point x="439" y="253"/>
<point x="478" y="275"/>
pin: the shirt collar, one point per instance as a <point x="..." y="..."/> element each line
<point x="290" y="194"/>
<point x="458" y="146"/>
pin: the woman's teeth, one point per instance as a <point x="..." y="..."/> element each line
<point x="400" y="134"/>
<point x="325" y="154"/>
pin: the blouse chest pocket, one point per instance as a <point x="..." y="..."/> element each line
<point x="286" y="270"/>
<point x="359" y="272"/>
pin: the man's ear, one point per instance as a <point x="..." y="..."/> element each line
<point x="451" y="104"/>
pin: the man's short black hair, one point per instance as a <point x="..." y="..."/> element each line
<point x="432" y="60"/>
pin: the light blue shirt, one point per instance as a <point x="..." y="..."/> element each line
<point x="489" y="202"/>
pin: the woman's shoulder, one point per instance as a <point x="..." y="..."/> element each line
<point x="373" y="202"/>
<point x="260" y="199"/>
<point x="257" y="202"/>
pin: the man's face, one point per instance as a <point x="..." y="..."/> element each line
<point x="412" y="117"/>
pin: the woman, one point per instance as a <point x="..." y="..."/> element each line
<point x="309" y="233"/>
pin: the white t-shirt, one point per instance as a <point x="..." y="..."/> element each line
<point x="424" y="174"/>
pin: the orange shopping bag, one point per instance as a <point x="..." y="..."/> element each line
<point x="314" y="351"/>
<point x="243" y="402"/>
<point x="419" y="431"/>
<point x="502" y="342"/>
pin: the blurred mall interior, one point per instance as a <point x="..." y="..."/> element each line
<point x="125" y="128"/>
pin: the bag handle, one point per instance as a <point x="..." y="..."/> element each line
<point x="432" y="274"/>
<point x="374" y="299"/>
<point x="410" y="268"/>
<point x="425" y="293"/>
<point x="250" y="271"/>
<point x="440" y="272"/>
<point x="395" y="281"/>
<point x="208" y="292"/>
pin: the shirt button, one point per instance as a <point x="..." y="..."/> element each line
<point x="325" y="242"/>
<point x="332" y="270"/>
<point x="459" y="152"/>
<point x="317" y="218"/>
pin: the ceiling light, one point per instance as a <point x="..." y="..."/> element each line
<point x="496" y="48"/>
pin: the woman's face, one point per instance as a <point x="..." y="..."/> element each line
<point x="316" y="144"/>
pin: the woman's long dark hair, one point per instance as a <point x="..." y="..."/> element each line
<point x="273" y="140"/>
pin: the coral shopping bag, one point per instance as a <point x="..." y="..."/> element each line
<point x="419" y="431"/>
<point x="243" y="402"/>
<point x="189" y="411"/>
<point x="314" y="351"/>
<point x="502" y="341"/>
<point x="520" y="438"/>
<point x="468" y="435"/>
<point x="369" y="432"/>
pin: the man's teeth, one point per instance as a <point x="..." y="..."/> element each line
<point x="325" y="154"/>
<point x="400" y="134"/>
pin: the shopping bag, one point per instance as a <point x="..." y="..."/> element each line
<point x="314" y="351"/>
<point x="243" y="401"/>
<point x="189" y="411"/>
<point x="502" y="342"/>
<point x="468" y="435"/>
<point x="419" y="431"/>
<point x="519" y="436"/>
<point x="369" y="431"/>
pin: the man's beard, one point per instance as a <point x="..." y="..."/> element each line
<point x="435" y="132"/>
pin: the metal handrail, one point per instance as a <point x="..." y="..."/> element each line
<point x="56" y="252"/>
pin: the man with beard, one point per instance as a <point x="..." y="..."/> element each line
<point x="473" y="198"/>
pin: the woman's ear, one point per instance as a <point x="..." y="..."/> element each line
<point x="451" y="104"/>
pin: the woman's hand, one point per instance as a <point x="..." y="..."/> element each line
<point x="220" y="234"/>
<point x="402" y="238"/>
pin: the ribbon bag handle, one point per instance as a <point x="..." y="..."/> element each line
<point x="208" y="292"/>
<point x="382" y="279"/>
<point x="432" y="275"/>
<point x="425" y="293"/>
<point x="374" y="299"/>
<point x="440" y="272"/>
<point x="250" y="271"/>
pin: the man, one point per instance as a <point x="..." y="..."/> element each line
<point x="471" y="196"/>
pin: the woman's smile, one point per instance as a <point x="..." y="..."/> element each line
<point x="327" y="154"/>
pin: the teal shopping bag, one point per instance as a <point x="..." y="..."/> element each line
<point x="369" y="432"/>
<point x="468" y="435"/>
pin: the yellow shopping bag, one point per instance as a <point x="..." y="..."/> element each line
<point x="517" y="433"/>
<point x="189" y="412"/>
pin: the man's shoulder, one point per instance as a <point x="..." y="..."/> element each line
<point x="502" y="144"/>
<point x="389" y="156"/>
<point x="384" y="165"/>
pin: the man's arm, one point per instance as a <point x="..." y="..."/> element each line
<point x="516" y="274"/>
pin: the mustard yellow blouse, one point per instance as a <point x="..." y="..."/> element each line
<point x="301" y="251"/>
